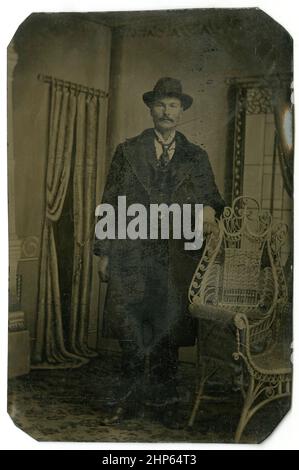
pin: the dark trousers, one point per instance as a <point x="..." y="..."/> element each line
<point x="150" y="335"/>
<point x="163" y="361"/>
<point x="163" y="365"/>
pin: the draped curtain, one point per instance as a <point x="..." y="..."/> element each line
<point x="73" y="132"/>
<point x="84" y="190"/>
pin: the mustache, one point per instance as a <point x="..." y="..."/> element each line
<point x="165" y="119"/>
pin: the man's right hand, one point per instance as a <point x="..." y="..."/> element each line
<point x="103" y="264"/>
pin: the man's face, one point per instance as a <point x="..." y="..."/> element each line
<point x="166" y="113"/>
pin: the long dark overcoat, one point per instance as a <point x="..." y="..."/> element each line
<point x="149" y="279"/>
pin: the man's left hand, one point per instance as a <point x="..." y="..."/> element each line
<point x="210" y="227"/>
<point x="209" y="222"/>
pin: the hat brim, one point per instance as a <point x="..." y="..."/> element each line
<point x="150" y="97"/>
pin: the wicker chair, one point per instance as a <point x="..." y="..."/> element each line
<point x="238" y="295"/>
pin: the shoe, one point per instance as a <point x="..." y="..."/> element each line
<point x="121" y="413"/>
<point x="115" y="417"/>
<point x="120" y="396"/>
<point x="124" y="391"/>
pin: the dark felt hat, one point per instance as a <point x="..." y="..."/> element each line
<point x="167" y="87"/>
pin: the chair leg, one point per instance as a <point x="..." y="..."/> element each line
<point x="244" y="418"/>
<point x="196" y="404"/>
<point x="208" y="370"/>
<point x="260" y="392"/>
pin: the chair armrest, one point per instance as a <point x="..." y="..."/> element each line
<point x="216" y="332"/>
<point x="210" y="312"/>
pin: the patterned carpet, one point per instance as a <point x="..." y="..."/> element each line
<point x="67" y="405"/>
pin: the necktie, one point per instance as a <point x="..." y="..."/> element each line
<point x="164" y="158"/>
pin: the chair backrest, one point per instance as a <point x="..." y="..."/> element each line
<point x="240" y="268"/>
<point x="245" y="232"/>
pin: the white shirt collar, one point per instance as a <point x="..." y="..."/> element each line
<point x="167" y="141"/>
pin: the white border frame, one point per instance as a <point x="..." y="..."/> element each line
<point x="13" y="13"/>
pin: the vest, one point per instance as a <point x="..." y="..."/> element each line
<point x="161" y="183"/>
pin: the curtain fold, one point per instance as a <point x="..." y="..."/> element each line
<point x="73" y="130"/>
<point x="84" y="190"/>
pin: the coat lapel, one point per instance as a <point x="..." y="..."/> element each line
<point x="181" y="162"/>
<point x="141" y="155"/>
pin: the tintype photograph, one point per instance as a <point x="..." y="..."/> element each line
<point x="150" y="178"/>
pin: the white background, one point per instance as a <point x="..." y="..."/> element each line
<point x="286" y="436"/>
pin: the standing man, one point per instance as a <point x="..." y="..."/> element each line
<point x="148" y="280"/>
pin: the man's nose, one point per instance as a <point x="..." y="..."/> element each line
<point x="167" y="111"/>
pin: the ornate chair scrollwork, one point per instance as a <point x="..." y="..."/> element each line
<point x="238" y="295"/>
